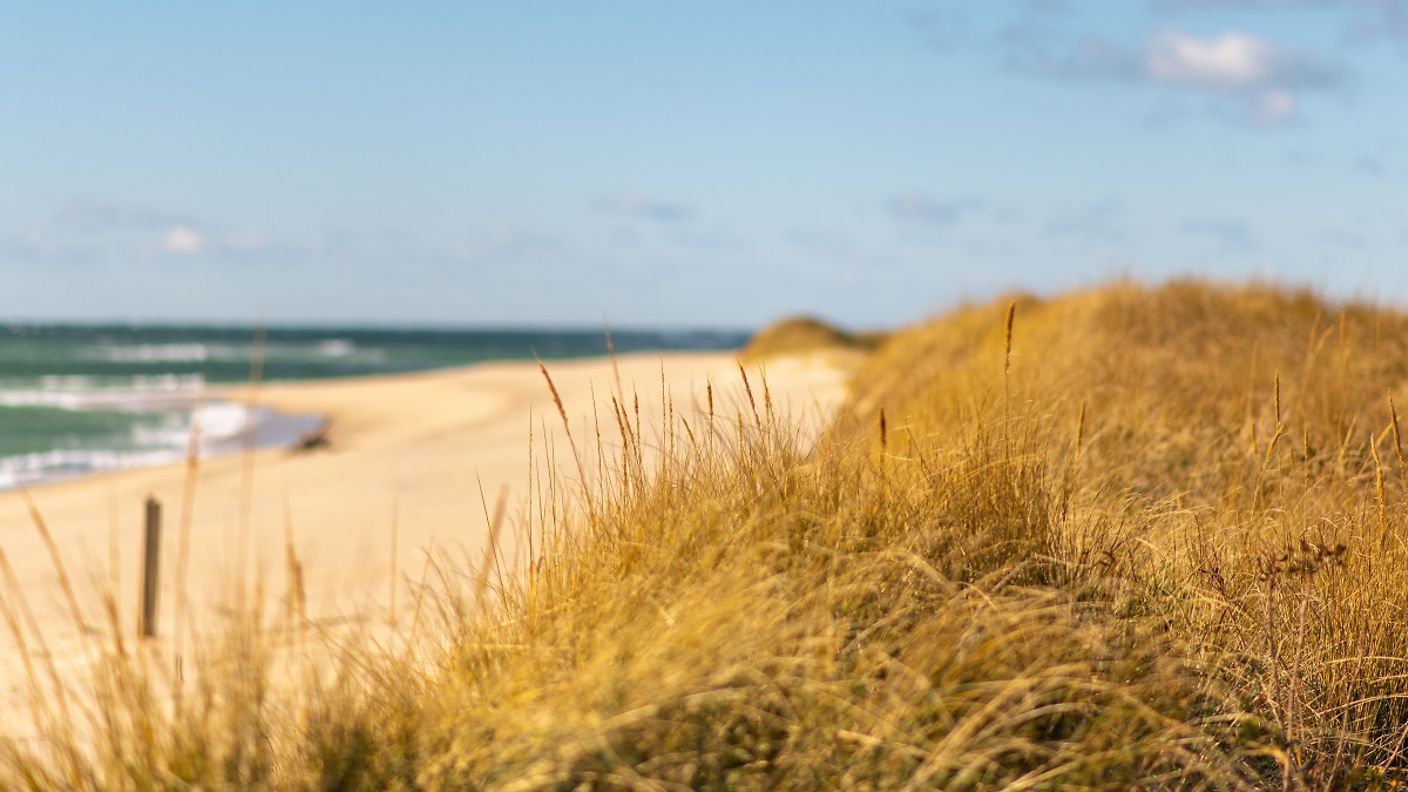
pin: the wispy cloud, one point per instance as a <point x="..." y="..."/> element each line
<point x="1370" y="164"/>
<point x="1265" y="80"/>
<point x="244" y="245"/>
<point x="1038" y="50"/>
<point x="645" y="207"/>
<point x="1224" y="232"/>
<point x="1367" y="19"/>
<point x="1262" y="5"/>
<point x="40" y="245"/>
<point x="715" y="240"/>
<point x="92" y="230"/>
<point x="917" y="207"/>
<point x="1366" y="6"/>
<point x="1265" y="76"/>
<point x="88" y="215"/>
<point x="1102" y="221"/>
<point x="1233" y="73"/>
<point x="1230" y="62"/>
<point x="183" y="241"/>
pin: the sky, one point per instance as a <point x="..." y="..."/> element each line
<point x="692" y="164"/>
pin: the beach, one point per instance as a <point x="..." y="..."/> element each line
<point x="415" y="463"/>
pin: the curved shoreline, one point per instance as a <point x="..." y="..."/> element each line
<point x="270" y="428"/>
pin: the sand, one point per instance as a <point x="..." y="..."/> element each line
<point x="409" y="458"/>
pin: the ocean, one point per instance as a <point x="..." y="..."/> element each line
<point x="80" y="399"/>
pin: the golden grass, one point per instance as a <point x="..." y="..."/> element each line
<point x="800" y="334"/>
<point x="1062" y="543"/>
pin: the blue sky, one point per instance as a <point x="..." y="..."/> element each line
<point x="715" y="163"/>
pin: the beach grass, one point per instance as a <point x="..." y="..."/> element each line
<point x="804" y="334"/>
<point x="1131" y="537"/>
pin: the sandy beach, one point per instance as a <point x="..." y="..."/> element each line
<point x="408" y="459"/>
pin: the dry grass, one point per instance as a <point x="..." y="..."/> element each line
<point x="1128" y="538"/>
<point x="799" y="334"/>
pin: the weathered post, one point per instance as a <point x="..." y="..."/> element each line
<point x="150" y="559"/>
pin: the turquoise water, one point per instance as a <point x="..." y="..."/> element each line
<point x="78" y="399"/>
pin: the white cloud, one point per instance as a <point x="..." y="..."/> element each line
<point x="1275" y="105"/>
<point x="1265" y="78"/>
<point x="183" y="240"/>
<point x="1231" y="61"/>
<point x="1238" y="63"/>
<point x="1253" y="77"/>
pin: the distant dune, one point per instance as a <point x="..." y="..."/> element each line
<point x="801" y="334"/>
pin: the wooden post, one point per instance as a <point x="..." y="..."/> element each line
<point x="150" y="559"/>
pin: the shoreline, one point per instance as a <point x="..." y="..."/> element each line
<point x="271" y="428"/>
<point x="412" y="459"/>
<point x="274" y="426"/>
<point x="299" y="400"/>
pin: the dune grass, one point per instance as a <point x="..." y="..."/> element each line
<point x="803" y="334"/>
<point x="1126" y="538"/>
